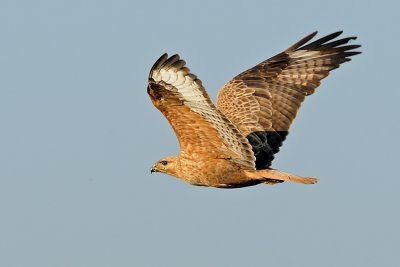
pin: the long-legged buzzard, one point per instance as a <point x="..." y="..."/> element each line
<point x="233" y="144"/>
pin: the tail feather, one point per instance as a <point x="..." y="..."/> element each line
<point x="269" y="175"/>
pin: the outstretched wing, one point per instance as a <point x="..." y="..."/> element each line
<point x="263" y="101"/>
<point x="201" y="129"/>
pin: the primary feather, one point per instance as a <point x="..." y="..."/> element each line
<point x="263" y="101"/>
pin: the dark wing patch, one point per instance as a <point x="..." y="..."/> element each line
<point x="265" y="144"/>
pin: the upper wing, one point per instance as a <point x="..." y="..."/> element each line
<point x="201" y="129"/>
<point x="263" y="101"/>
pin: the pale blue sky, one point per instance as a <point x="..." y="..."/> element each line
<point x="78" y="137"/>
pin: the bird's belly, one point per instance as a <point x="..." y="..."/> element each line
<point x="213" y="172"/>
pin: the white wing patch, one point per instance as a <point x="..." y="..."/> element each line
<point x="184" y="83"/>
<point x="175" y="77"/>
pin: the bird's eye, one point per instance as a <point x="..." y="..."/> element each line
<point x="164" y="162"/>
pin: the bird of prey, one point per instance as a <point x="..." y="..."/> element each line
<point x="232" y="144"/>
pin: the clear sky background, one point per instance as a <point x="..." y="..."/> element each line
<point x="78" y="135"/>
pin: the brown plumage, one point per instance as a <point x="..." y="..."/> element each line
<point x="232" y="145"/>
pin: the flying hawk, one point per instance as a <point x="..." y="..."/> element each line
<point x="232" y="144"/>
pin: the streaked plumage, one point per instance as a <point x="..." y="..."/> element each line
<point x="233" y="144"/>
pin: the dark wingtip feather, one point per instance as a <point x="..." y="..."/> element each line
<point x="178" y="64"/>
<point x="171" y="60"/>
<point x="301" y="42"/>
<point x="158" y="63"/>
<point x="167" y="62"/>
<point x="351" y="53"/>
<point x="322" y="40"/>
<point x="351" y="47"/>
<point x="327" y="44"/>
<point x="339" y="42"/>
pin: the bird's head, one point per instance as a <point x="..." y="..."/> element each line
<point x="166" y="165"/>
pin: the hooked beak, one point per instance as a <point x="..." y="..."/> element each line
<point x="153" y="169"/>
